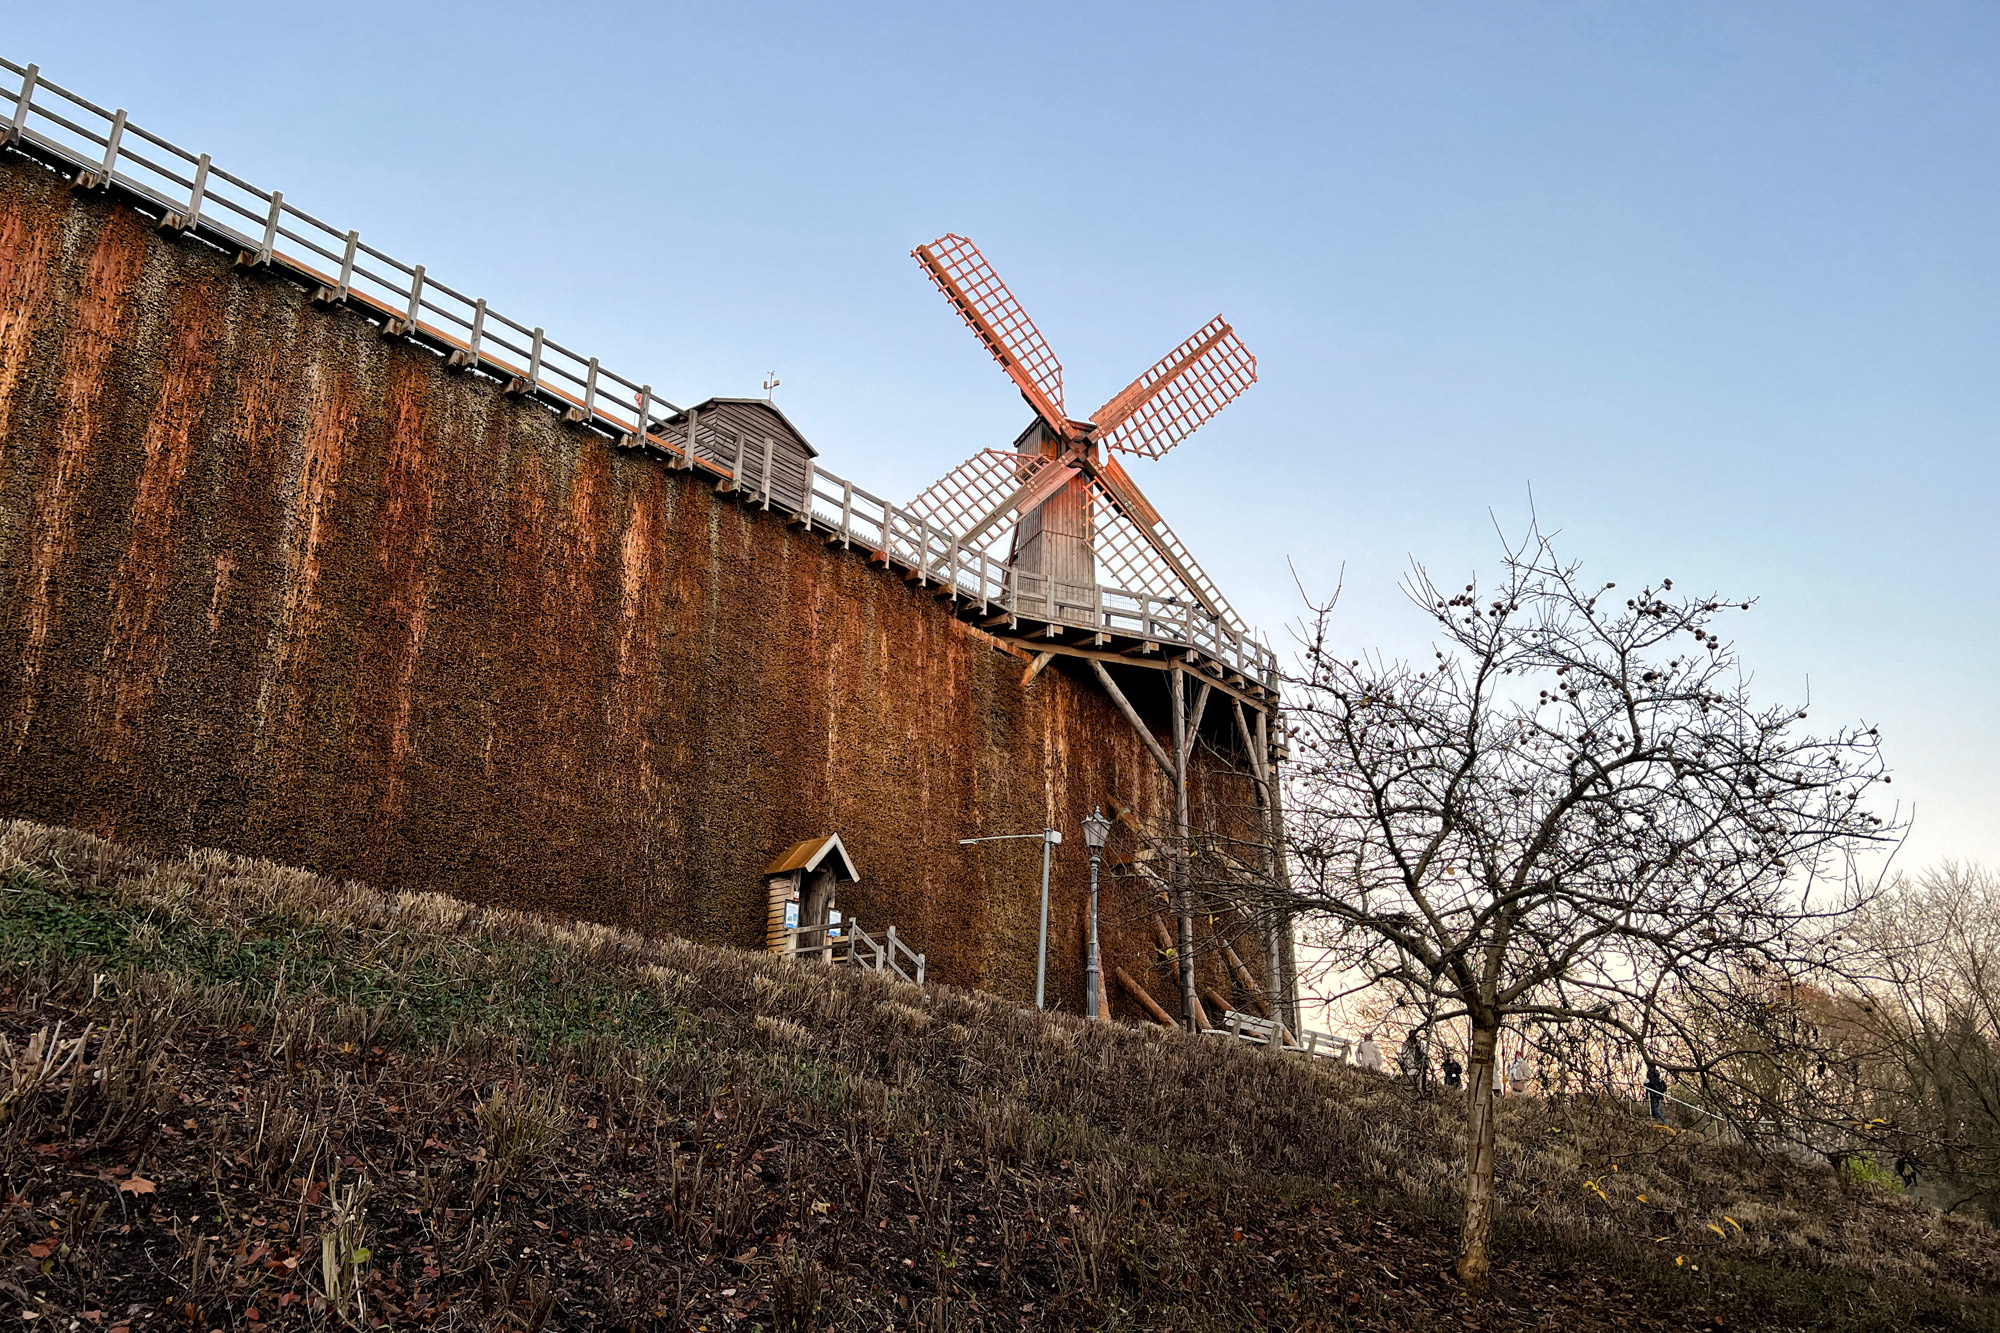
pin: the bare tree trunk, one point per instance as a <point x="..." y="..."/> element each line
<point x="1473" y="1260"/>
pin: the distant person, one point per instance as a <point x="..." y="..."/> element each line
<point x="1454" y="1073"/>
<point x="1367" y="1054"/>
<point x="1519" y="1073"/>
<point x="1413" y="1062"/>
<point x="1656" y="1092"/>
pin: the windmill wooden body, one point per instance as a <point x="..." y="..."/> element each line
<point x="1074" y="533"/>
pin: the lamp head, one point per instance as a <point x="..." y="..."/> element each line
<point x="1096" y="828"/>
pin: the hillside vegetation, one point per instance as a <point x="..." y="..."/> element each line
<point x="241" y="1096"/>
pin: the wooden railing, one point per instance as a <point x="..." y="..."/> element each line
<point x="1265" y="1031"/>
<point x="846" y="943"/>
<point x="191" y="195"/>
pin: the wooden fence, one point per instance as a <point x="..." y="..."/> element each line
<point x="845" y="943"/>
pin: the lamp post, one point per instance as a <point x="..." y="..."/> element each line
<point x="1050" y="837"/>
<point x="1096" y="828"/>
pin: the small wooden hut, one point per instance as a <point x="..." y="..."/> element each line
<point x="754" y="442"/>
<point x="800" y="887"/>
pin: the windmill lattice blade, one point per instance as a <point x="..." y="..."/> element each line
<point x="1137" y="551"/>
<point x="998" y="320"/>
<point x="970" y="502"/>
<point x="1171" y="401"/>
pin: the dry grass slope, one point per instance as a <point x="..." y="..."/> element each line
<point x="234" y="1087"/>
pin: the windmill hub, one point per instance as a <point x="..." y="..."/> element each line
<point x="1058" y="509"/>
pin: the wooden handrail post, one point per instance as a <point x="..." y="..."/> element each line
<point x="20" y="121"/>
<point x="347" y="264"/>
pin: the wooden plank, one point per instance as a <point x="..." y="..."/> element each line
<point x="1035" y="668"/>
<point x="1132" y="716"/>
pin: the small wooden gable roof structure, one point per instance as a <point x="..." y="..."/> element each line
<point x="814" y="853"/>
<point x="755" y="417"/>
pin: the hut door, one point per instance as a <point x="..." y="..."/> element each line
<point x="816" y="908"/>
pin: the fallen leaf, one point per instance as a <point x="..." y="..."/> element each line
<point x="138" y="1185"/>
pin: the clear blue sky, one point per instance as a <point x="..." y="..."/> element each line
<point x="1720" y="282"/>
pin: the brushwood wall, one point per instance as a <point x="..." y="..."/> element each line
<point x="272" y="582"/>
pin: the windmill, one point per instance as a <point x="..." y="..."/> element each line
<point x="1057" y="509"/>
<point x="1074" y="534"/>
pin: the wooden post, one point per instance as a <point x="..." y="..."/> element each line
<point x="20" y="121"/>
<point x="1276" y="873"/>
<point x="1185" y="732"/>
<point x="1286" y="981"/>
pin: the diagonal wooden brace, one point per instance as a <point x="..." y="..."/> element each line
<point x="1132" y="716"/>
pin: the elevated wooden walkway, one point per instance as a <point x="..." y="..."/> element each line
<point x="189" y="195"/>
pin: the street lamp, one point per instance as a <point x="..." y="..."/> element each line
<point x="1096" y="828"/>
<point x="1050" y="837"/>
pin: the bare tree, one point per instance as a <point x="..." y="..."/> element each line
<point x="1572" y="813"/>
<point x="1927" y="1024"/>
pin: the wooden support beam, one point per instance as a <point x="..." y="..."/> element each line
<point x="1183" y="742"/>
<point x="1035" y="668"/>
<point x="1146" y="1001"/>
<point x="1222" y="1006"/>
<point x="1194" y="723"/>
<point x="1249" y="744"/>
<point x="1250" y="986"/>
<point x="1132" y="716"/>
<point x="1125" y="657"/>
